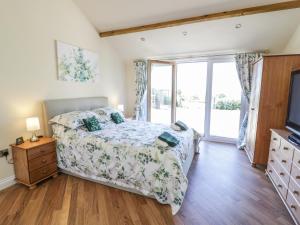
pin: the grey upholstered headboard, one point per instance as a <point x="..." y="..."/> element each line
<point x="54" y="107"/>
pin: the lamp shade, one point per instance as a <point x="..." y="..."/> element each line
<point x="32" y="123"/>
<point x="121" y="108"/>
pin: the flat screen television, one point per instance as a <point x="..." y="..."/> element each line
<point x="293" y="115"/>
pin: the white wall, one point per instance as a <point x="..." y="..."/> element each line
<point x="293" y="46"/>
<point x="131" y="88"/>
<point x="28" y="73"/>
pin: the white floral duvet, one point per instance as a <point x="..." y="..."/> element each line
<point x="127" y="155"/>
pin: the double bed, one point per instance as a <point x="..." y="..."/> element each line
<point x="125" y="156"/>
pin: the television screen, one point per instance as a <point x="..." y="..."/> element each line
<point x="293" y="118"/>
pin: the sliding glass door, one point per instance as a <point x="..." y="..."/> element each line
<point x="161" y="86"/>
<point x="206" y="95"/>
<point x="225" y="101"/>
<point x="190" y="94"/>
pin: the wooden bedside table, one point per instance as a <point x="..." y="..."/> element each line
<point x="35" y="161"/>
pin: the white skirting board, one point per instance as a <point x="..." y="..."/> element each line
<point x="7" y="182"/>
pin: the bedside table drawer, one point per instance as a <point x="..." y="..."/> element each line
<point x="41" y="150"/>
<point x="42" y="172"/>
<point x="42" y="161"/>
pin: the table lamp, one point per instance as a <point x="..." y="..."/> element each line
<point x="121" y="108"/>
<point x="33" y="124"/>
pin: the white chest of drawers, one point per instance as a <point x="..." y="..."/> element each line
<point x="284" y="171"/>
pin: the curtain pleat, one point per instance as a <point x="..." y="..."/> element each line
<point x="244" y="66"/>
<point x="140" y="112"/>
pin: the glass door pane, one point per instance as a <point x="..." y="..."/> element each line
<point x="191" y="92"/>
<point x="161" y="93"/>
<point x="226" y="101"/>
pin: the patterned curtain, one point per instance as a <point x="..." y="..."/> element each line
<point x="244" y="66"/>
<point x="141" y="90"/>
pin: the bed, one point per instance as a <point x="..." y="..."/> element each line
<point x="124" y="156"/>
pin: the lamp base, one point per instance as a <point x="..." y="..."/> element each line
<point x="34" y="138"/>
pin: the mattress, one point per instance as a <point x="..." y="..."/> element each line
<point x="127" y="155"/>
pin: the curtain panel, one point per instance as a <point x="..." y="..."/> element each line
<point x="244" y="66"/>
<point x="140" y="112"/>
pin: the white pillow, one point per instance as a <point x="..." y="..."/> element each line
<point x="105" y="112"/>
<point x="73" y="119"/>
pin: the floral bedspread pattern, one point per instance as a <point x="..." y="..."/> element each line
<point x="127" y="155"/>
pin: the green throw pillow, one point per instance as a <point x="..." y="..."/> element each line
<point x="92" y="124"/>
<point x="117" y="118"/>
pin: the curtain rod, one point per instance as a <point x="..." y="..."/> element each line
<point x="209" y="55"/>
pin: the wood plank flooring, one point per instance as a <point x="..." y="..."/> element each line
<point x="223" y="189"/>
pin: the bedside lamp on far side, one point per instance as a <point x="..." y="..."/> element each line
<point x="33" y="124"/>
<point x="121" y="108"/>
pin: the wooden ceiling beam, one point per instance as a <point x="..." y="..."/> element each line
<point x="208" y="17"/>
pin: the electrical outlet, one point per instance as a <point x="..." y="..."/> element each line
<point x="4" y="153"/>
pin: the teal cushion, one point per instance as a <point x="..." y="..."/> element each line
<point x="92" y="124"/>
<point x="117" y="118"/>
<point x="169" y="139"/>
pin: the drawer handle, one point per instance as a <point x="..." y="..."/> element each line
<point x="273" y="150"/>
<point x="285" y="148"/>
<point x="274" y="139"/>
<point x="297" y="177"/>
<point x="279" y="185"/>
<point x="299" y="161"/>
<point x="293" y="207"/>
<point x="44" y="161"/>
<point x="296" y="192"/>
<point x="281" y="174"/>
<point x="284" y="161"/>
<point x="270" y="171"/>
<point x="272" y="160"/>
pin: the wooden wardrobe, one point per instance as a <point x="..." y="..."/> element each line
<point x="268" y="103"/>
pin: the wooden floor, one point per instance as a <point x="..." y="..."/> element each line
<point x="223" y="189"/>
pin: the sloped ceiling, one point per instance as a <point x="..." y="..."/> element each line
<point x="114" y="14"/>
<point x="261" y="31"/>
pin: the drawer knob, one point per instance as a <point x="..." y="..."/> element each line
<point x="279" y="185"/>
<point x="284" y="161"/>
<point x="296" y="192"/>
<point x="270" y="171"/>
<point x="274" y="139"/>
<point x="272" y="160"/>
<point x="297" y="177"/>
<point x="299" y="161"/>
<point x="281" y="174"/>
<point x="44" y="161"/>
<point x="293" y="207"/>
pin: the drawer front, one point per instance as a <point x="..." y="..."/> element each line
<point x="41" y="150"/>
<point x="275" y="141"/>
<point x="294" y="189"/>
<point x="286" y="162"/>
<point x="281" y="172"/>
<point x="295" y="174"/>
<point x="296" y="159"/>
<point x="43" y="172"/>
<point x="293" y="206"/>
<point x="286" y="151"/>
<point x="280" y="185"/>
<point x="272" y="160"/>
<point x="42" y="161"/>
